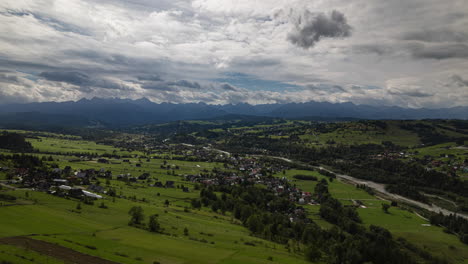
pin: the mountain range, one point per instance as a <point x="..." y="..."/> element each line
<point x="126" y="112"/>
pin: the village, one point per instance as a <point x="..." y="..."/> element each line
<point x="93" y="183"/>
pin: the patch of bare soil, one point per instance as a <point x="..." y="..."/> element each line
<point x="56" y="251"/>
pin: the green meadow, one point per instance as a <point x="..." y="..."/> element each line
<point x="354" y="133"/>
<point x="212" y="237"/>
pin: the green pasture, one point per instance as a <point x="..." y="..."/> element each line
<point x="213" y="238"/>
<point x="356" y="133"/>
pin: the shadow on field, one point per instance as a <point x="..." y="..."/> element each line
<point x="45" y="248"/>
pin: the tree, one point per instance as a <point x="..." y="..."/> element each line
<point x="137" y="215"/>
<point x="385" y="207"/>
<point x="153" y="224"/>
<point x="111" y="192"/>
<point x="196" y="203"/>
<point x="186" y="231"/>
<point x="312" y="254"/>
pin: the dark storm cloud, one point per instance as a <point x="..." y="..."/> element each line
<point x="83" y="80"/>
<point x="141" y="66"/>
<point x="75" y="78"/>
<point x="439" y="52"/>
<point x="185" y="83"/>
<point x="436" y="35"/>
<point x="169" y="86"/>
<point x="49" y="21"/>
<point x="359" y="89"/>
<point x="7" y="77"/>
<point x="459" y="81"/>
<point x="311" y="27"/>
<point x="151" y="77"/>
<point x="326" y="88"/>
<point x="410" y="93"/>
<point x="379" y="49"/>
<point x="160" y="86"/>
<point x="12" y="64"/>
<point x="255" y="61"/>
<point x="228" y="87"/>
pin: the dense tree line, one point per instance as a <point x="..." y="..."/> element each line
<point x="276" y="218"/>
<point x="23" y="161"/>
<point x="15" y="142"/>
<point x="407" y="191"/>
<point x="305" y="177"/>
<point x="427" y="133"/>
<point x="412" y="174"/>
<point x="452" y="223"/>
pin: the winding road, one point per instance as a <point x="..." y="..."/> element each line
<point x="378" y="187"/>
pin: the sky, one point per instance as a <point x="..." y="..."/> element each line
<point x="408" y="53"/>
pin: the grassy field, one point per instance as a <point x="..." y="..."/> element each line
<point x="53" y="144"/>
<point x="357" y="133"/>
<point x="213" y="237"/>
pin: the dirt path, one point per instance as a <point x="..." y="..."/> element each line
<point x="62" y="253"/>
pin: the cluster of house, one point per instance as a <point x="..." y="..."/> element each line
<point x="444" y="160"/>
<point x="453" y="166"/>
<point x="61" y="181"/>
<point x="393" y="155"/>
<point x="77" y="191"/>
<point x="253" y="170"/>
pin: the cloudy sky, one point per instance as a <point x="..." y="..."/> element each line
<point x="410" y="53"/>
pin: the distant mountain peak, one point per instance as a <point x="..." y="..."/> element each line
<point x="127" y="112"/>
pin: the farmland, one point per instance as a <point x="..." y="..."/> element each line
<point x="167" y="179"/>
<point x="213" y="238"/>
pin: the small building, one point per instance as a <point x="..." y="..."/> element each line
<point x="144" y="176"/>
<point x="75" y="192"/>
<point x="80" y="174"/>
<point x="60" y="181"/>
<point x="169" y="184"/>
<point x="92" y="195"/>
<point x="96" y="188"/>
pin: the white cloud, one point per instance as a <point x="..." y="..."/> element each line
<point x="391" y="46"/>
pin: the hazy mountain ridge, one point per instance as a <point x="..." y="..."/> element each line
<point x="123" y="112"/>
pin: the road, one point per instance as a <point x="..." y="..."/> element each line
<point x="378" y="187"/>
